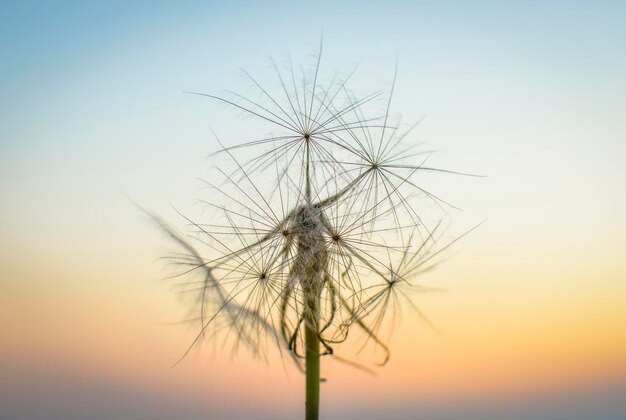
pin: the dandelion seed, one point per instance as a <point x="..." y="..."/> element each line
<point x="331" y="246"/>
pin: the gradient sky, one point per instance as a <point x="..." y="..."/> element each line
<point x="92" y="111"/>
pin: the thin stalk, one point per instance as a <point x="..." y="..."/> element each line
<point x="307" y="174"/>
<point x="312" y="343"/>
<point x="312" y="303"/>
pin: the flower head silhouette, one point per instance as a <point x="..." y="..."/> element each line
<point x="315" y="228"/>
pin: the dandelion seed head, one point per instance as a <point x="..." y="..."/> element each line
<point x="327" y="242"/>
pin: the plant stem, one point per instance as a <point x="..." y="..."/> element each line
<point x="312" y="344"/>
<point x="315" y="261"/>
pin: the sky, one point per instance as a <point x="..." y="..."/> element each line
<point x="93" y="117"/>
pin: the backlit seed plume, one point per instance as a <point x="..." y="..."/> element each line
<point x="315" y="224"/>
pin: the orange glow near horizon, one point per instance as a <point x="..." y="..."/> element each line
<point x="490" y="345"/>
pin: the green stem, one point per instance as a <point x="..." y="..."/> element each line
<point x="307" y="188"/>
<point x="312" y="344"/>
<point x="312" y="321"/>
